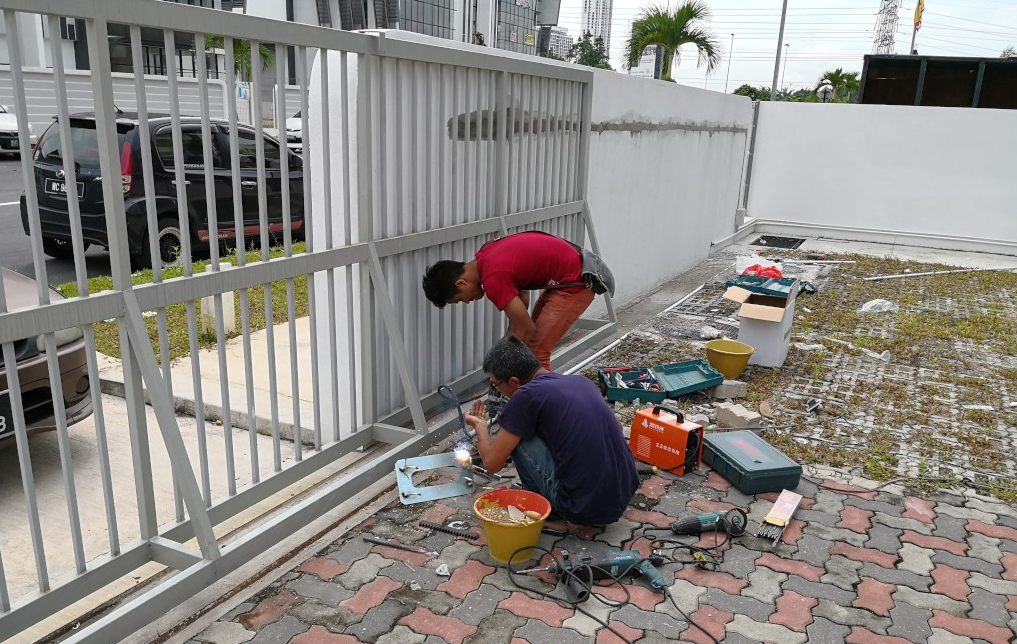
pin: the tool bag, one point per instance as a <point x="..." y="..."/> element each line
<point x="595" y="274"/>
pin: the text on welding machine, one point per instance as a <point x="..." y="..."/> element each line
<point x="661" y="436"/>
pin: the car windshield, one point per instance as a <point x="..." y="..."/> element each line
<point x="296" y="116"/>
<point x="3" y="109"/>
<point x="84" y="143"/>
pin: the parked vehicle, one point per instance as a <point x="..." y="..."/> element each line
<point x="33" y="371"/>
<point x="9" y="141"/>
<point x="51" y="187"/>
<point x="294" y="134"/>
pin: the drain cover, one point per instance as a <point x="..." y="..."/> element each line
<point x="772" y="241"/>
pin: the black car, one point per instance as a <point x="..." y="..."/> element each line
<point x="51" y="186"/>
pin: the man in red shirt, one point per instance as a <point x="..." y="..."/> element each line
<point x="505" y="270"/>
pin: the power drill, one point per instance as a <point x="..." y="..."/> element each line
<point x="579" y="571"/>
<point x="732" y="522"/>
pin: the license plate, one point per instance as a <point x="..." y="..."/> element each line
<point x="6" y="415"/>
<point x="57" y="187"/>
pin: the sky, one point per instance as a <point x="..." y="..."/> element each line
<point x="820" y="35"/>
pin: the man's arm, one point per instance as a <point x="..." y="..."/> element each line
<point x="494" y="451"/>
<point x="520" y="323"/>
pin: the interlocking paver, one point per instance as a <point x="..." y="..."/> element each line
<point x="883" y="538"/>
<point x="855" y="519"/>
<point x="764" y="632"/>
<point x="413" y="576"/>
<point x="497" y="629"/>
<point x="897" y="577"/>
<point x="915" y="559"/>
<point x="268" y="610"/>
<point x="864" y="636"/>
<point x="335" y="619"/>
<point x="875" y="596"/>
<point x="889" y="505"/>
<point x="967" y="563"/>
<point x="865" y="555"/>
<point x="998" y="586"/>
<point x="323" y="568"/>
<point x="537" y="631"/>
<point x="371" y="595"/>
<point x="380" y="620"/>
<point x="479" y="604"/>
<point x="619" y="633"/>
<point x="984" y="548"/>
<point x="823" y="631"/>
<point x="706" y="622"/>
<point x="326" y="592"/>
<point x="401" y="635"/>
<point x="842" y="573"/>
<point x="685" y="594"/>
<point x="465" y="579"/>
<point x="636" y="594"/>
<point x="951" y="582"/>
<point x="851" y="616"/>
<point x="969" y="514"/>
<point x="738" y="604"/>
<point x="914" y="525"/>
<point x="765" y="584"/>
<point x="813" y="550"/>
<point x="739" y="561"/>
<point x="931" y="601"/>
<point x="794" y="611"/>
<point x="939" y="636"/>
<point x="666" y="625"/>
<point x="920" y="509"/>
<point x="364" y="570"/>
<point x="280" y="631"/>
<point x="820" y="590"/>
<point x="989" y="607"/>
<point x="952" y="528"/>
<point x="990" y="505"/>
<point x="711" y="579"/>
<point x="910" y="622"/>
<point x="973" y="628"/>
<point x="321" y="635"/>
<point x="225" y="633"/>
<point x="525" y="606"/>
<point x="835" y="535"/>
<point x="800" y="568"/>
<point x="451" y="629"/>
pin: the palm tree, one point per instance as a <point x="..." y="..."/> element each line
<point x="845" y="84"/>
<point x="241" y="55"/>
<point x="671" y="28"/>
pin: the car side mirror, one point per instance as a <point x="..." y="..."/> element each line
<point x="296" y="162"/>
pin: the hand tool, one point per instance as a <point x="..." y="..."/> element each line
<point x="579" y="571"/>
<point x="459" y="532"/>
<point x="395" y="544"/>
<point x="732" y="522"/>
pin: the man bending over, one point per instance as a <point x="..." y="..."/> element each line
<point x="564" y="440"/>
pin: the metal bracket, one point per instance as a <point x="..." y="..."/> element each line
<point x="410" y="494"/>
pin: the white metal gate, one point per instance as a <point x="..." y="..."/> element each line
<point x="413" y="151"/>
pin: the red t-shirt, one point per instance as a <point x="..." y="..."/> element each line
<point x="526" y="261"/>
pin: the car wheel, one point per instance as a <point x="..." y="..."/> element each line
<point x="60" y="248"/>
<point x="170" y="245"/>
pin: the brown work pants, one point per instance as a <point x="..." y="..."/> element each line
<point x="553" y="314"/>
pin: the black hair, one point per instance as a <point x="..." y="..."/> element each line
<point x="439" y="281"/>
<point x="509" y="358"/>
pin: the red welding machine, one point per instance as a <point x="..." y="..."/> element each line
<point x="662" y="437"/>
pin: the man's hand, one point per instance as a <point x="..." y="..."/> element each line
<point x="520" y="323"/>
<point x="475" y="417"/>
<point x="495" y="451"/>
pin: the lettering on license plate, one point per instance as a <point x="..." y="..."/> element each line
<point x="6" y="416"/>
<point x="55" y="187"/>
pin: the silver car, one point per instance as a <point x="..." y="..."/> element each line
<point x="9" y="141"/>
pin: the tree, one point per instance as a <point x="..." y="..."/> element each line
<point x="755" y="93"/>
<point x="672" y="28"/>
<point x="241" y="55"/>
<point x="845" y="85"/>
<point x="589" y="51"/>
<point x="1009" y="52"/>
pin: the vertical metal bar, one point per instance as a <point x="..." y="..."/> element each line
<point x="312" y="304"/>
<point x="977" y="93"/>
<point x="347" y="272"/>
<point x="445" y="214"/>
<point x="558" y="166"/>
<point x="531" y="143"/>
<point x="326" y="165"/>
<point x="365" y="229"/>
<point x="920" y="86"/>
<point x="5" y="597"/>
<point x="458" y="212"/>
<point x="259" y="142"/>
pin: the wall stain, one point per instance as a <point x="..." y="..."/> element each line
<point x="643" y="127"/>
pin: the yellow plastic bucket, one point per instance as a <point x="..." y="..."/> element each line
<point x="506" y="537"/>
<point x="728" y="356"/>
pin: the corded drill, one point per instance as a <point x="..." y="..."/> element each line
<point x="581" y="570"/>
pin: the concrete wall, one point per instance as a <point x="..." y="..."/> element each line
<point x="665" y="173"/>
<point x="930" y="176"/>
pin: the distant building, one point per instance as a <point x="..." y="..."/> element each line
<point x="596" y="19"/>
<point x="560" y="43"/>
<point x="649" y="63"/>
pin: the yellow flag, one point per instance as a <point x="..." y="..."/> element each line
<point x="918" y="14"/>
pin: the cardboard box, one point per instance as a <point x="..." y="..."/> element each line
<point x="765" y="323"/>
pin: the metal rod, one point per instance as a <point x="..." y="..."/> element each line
<point x="959" y="270"/>
<point x="780" y="44"/>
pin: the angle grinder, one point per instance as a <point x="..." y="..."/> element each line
<point x="734" y="522"/>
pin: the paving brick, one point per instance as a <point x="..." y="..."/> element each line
<point x="998" y="586"/>
<point x="863" y="636"/>
<point x="764" y="584"/>
<point x="865" y="555"/>
<point x="851" y="616"/>
<point x="335" y="619"/>
<point x="800" y="568"/>
<point x="401" y="635"/>
<point x="327" y="592"/>
<point x="593" y="616"/>
<point x="878" y="506"/>
<point x="951" y="582"/>
<point x="321" y="635"/>
<point x="920" y="509"/>
<point x="451" y="629"/>
<point x="738" y="604"/>
<point x="934" y="543"/>
<point x="930" y="601"/>
<point x="670" y="625"/>
<point x="280" y="631"/>
<point x="225" y="633"/>
<point x="969" y="514"/>
<point x="915" y="559"/>
<point x="764" y="632"/>
<point x="847" y="489"/>
<point x="951" y="528"/>
<point x="883" y="538"/>
<point x="498" y="629"/>
<point x="835" y="534"/>
<point x="989" y="607"/>
<point x="323" y="568"/>
<point x="739" y="561"/>
<point x="380" y="620"/>
<point x="620" y="531"/>
<point x="896" y="577"/>
<point x="967" y="563"/>
<point x="910" y="622"/>
<point x="972" y="628"/>
<point x="991" y="506"/>
<point x="404" y="573"/>
<point x="708" y="619"/>
<point x="353" y="549"/>
<point x="364" y="570"/>
<point x="875" y="596"/>
<point x="651" y="517"/>
<point x="465" y="579"/>
<point x="716" y="481"/>
<point x="794" y="611"/>
<point x="537" y="631"/>
<point x="842" y="573"/>
<point x="1007" y="521"/>
<point x="939" y="636"/>
<point x="437" y="513"/>
<point x="619" y="633"/>
<point x="813" y="550"/>
<point x="268" y="610"/>
<point x="903" y="524"/>
<point x="654" y="487"/>
<point x="1009" y="562"/>
<point x="371" y="595"/>
<point x="238" y="611"/>
<point x="479" y="604"/>
<point x="814" y="517"/>
<point x="525" y="606"/>
<point x="456" y="554"/>
<point x="820" y="590"/>
<point x="855" y="519"/>
<point x="823" y="631"/>
<point x="702" y="506"/>
<point x="984" y="548"/>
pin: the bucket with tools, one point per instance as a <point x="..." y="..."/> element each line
<point x="512" y="521"/>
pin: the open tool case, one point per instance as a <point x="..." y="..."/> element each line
<point x="666" y="380"/>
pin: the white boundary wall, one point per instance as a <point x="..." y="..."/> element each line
<point x="930" y="176"/>
<point x="665" y="174"/>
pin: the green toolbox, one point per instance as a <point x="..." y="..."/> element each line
<point x="750" y="463"/>
<point x="654" y="384"/>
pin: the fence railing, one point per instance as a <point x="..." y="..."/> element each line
<point x="412" y="152"/>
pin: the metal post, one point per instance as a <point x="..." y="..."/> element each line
<point x="914" y="34"/>
<point x="786" y="45"/>
<point x="730" y="53"/>
<point x="780" y="43"/>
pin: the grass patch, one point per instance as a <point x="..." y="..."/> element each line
<point x="107" y="337"/>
